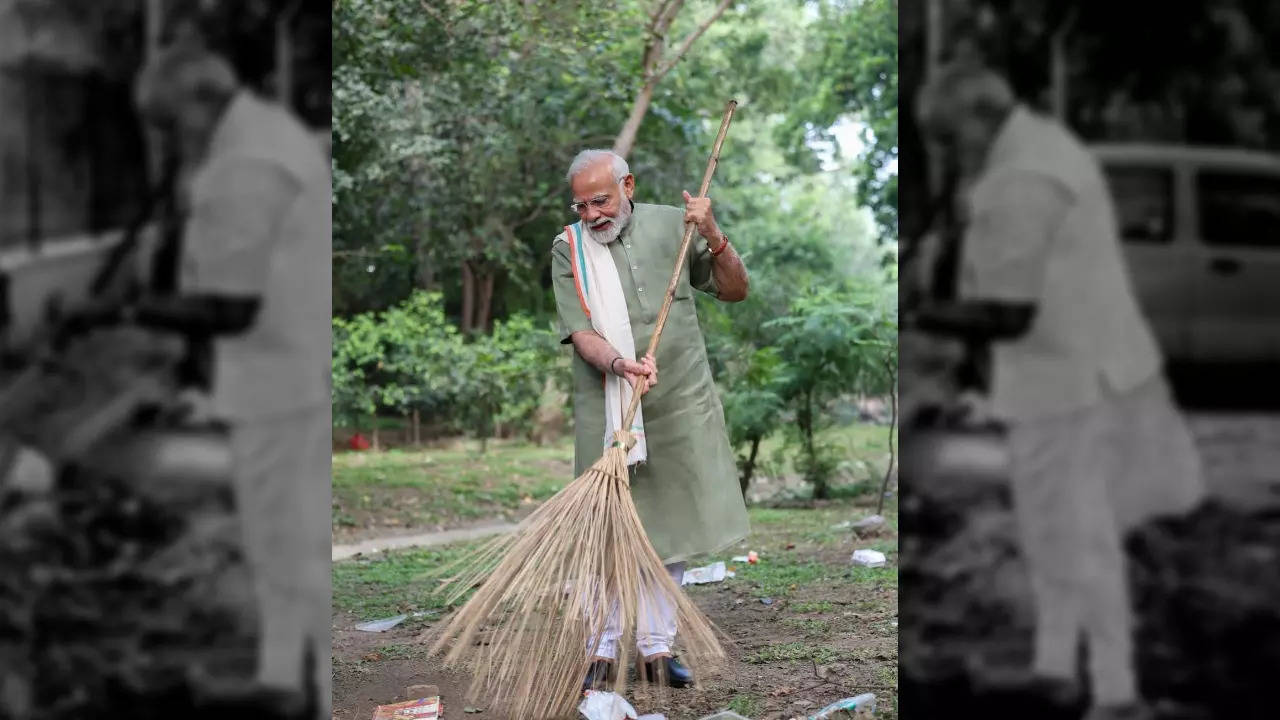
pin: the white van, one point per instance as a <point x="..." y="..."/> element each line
<point x="1201" y="231"/>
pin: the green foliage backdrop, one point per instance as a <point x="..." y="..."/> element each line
<point x="454" y="123"/>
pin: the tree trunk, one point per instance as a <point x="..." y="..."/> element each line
<point x="376" y="444"/>
<point x="750" y="468"/>
<point x="626" y="139"/>
<point x="284" y="56"/>
<point x="893" y="456"/>
<point x="814" y="473"/>
<point x="484" y="306"/>
<point x="468" y="296"/>
<point x="417" y="429"/>
<point x="425" y="275"/>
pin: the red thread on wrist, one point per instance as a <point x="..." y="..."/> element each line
<point x="723" y="245"/>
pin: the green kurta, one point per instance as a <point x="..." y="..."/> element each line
<point x="687" y="492"/>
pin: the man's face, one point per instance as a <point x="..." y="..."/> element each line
<point x="962" y="141"/>
<point x="187" y="124"/>
<point x="606" y="210"/>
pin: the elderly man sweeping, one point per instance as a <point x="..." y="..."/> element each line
<point x="609" y="272"/>
<point x="1095" y="443"/>
<point x="254" y="273"/>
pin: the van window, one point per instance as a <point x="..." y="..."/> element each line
<point x="1239" y="209"/>
<point x="1143" y="198"/>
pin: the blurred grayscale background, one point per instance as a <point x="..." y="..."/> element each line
<point x="125" y="588"/>
<point x="1178" y="105"/>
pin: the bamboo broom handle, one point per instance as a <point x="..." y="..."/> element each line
<point x="684" y="250"/>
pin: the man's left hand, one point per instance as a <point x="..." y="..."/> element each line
<point x="698" y="212"/>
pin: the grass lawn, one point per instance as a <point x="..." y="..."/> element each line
<point x="377" y="493"/>
<point x="402" y="581"/>
<point x="424" y="490"/>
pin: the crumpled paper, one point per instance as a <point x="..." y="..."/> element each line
<point x="599" y="705"/>
<point x="713" y="573"/>
<point x="868" y="558"/>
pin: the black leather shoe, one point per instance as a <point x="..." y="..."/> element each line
<point x="1060" y="692"/>
<point x="216" y="696"/>
<point x="667" y="671"/>
<point x="1129" y="711"/>
<point x="255" y="701"/>
<point x="599" y="676"/>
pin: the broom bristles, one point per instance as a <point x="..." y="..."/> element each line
<point x="545" y="591"/>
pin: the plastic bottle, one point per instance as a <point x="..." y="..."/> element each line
<point x="863" y="705"/>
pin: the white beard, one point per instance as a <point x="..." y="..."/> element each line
<point x="615" y="226"/>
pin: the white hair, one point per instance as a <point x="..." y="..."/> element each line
<point x="588" y="157"/>
<point x="963" y="89"/>
<point x="181" y="73"/>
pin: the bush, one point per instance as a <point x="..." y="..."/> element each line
<point x="831" y="343"/>
<point x="411" y="358"/>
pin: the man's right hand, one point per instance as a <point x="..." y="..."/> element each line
<point x="642" y="374"/>
<point x="601" y="355"/>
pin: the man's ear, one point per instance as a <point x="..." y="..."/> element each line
<point x="629" y="184"/>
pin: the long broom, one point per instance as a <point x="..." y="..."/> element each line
<point x="546" y="589"/>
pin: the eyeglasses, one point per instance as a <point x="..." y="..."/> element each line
<point x="598" y="202"/>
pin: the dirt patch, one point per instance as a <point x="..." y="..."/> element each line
<point x="109" y="595"/>
<point x="1204" y="589"/>
<point x="821" y="642"/>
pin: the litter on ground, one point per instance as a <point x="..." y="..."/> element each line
<point x="868" y="558"/>
<point x="712" y="573"/>
<point x="598" y="705"/>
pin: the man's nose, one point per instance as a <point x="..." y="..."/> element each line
<point x="592" y="213"/>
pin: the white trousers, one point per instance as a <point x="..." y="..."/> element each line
<point x="283" y="500"/>
<point x="655" y="623"/>
<point x="1080" y="480"/>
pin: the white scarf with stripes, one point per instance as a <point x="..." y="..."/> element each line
<point x="600" y="291"/>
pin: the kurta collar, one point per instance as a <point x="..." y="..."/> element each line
<point x="238" y="111"/>
<point x="1010" y="136"/>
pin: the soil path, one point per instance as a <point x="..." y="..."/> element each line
<point x="397" y="542"/>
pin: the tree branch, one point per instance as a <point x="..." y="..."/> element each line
<point x="689" y="41"/>
<point x="663" y="23"/>
<point x="657" y="12"/>
<point x="656" y="42"/>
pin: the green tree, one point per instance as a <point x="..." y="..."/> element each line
<point x="855" y="68"/>
<point x="753" y="409"/>
<point x="357" y="360"/>
<point x="831" y="344"/>
<point x="454" y="123"/>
